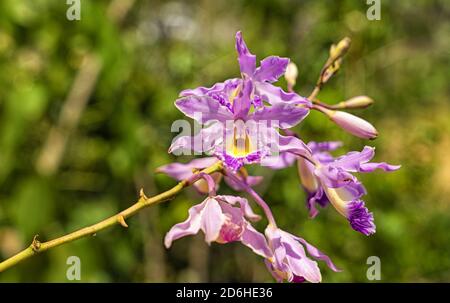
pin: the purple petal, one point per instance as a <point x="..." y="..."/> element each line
<point x="324" y="146"/>
<point x="305" y="268"/>
<point x="313" y="198"/>
<point x="284" y="144"/>
<point x="333" y="177"/>
<point x="230" y="162"/>
<point x="203" y="109"/>
<point x="202" y="91"/>
<point x="189" y="227"/>
<point x="313" y="251"/>
<point x="256" y="242"/>
<point x="242" y="103"/>
<point x="283" y="160"/>
<point x="299" y="263"/>
<point x="358" y="162"/>
<point x="274" y="94"/>
<point x="353" y="160"/>
<point x="247" y="61"/>
<point x="207" y="139"/>
<point x="370" y="167"/>
<point x="281" y="115"/>
<point x="360" y="218"/>
<point x="181" y="171"/>
<point x="271" y="69"/>
<point x="243" y="203"/>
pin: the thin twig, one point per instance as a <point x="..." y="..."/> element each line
<point x="37" y="247"/>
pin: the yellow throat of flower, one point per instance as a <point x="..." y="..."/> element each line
<point x="239" y="144"/>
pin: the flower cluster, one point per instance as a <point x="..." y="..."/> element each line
<point x="247" y="120"/>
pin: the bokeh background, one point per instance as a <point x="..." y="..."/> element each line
<point x="86" y="109"/>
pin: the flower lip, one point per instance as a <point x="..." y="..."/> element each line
<point x="360" y="218"/>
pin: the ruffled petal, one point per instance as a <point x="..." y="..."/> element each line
<point x="273" y="94"/>
<point x="189" y="227"/>
<point x="353" y="160"/>
<point x="370" y="167"/>
<point x="360" y="218"/>
<point x="313" y="251"/>
<point x="271" y="69"/>
<point x="296" y="257"/>
<point x="281" y="115"/>
<point x="245" y="208"/>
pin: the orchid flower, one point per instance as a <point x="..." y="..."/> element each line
<point x="239" y="136"/>
<point x="223" y="219"/>
<point x="271" y="68"/>
<point x="241" y="119"/>
<point x="290" y="261"/>
<point x="328" y="179"/>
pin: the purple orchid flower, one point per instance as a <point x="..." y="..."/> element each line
<point x="222" y="222"/>
<point x="344" y="191"/>
<point x="236" y="134"/>
<point x="290" y="261"/>
<point x="328" y="179"/>
<point x="180" y="171"/>
<point x="271" y="68"/>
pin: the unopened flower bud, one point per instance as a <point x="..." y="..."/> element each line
<point x="291" y="74"/>
<point x="355" y="102"/>
<point x="352" y="124"/>
<point x="339" y="50"/>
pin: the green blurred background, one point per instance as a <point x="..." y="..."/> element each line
<point x="69" y="159"/>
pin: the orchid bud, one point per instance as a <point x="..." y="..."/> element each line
<point x="291" y="74"/>
<point x="355" y="102"/>
<point x="354" y="125"/>
<point x="339" y="50"/>
<point x="351" y="123"/>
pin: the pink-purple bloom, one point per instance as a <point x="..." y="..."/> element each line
<point x="290" y="261"/>
<point x="328" y="179"/>
<point x="222" y="219"/>
<point x="239" y="128"/>
<point x="241" y="119"/>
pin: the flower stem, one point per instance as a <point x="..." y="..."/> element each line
<point x="255" y="197"/>
<point x="37" y="247"/>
